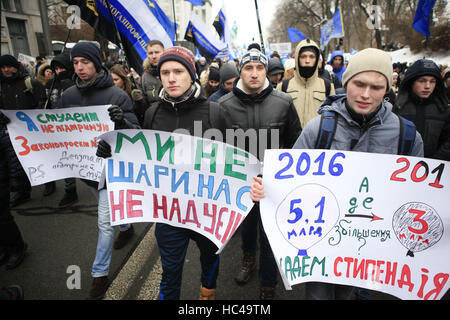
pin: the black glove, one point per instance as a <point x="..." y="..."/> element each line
<point x="4" y="119"/>
<point x="116" y="115"/>
<point x="103" y="149"/>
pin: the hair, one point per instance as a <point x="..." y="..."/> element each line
<point x="151" y="43"/>
<point x="118" y="70"/>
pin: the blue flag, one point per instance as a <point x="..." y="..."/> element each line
<point x="203" y="38"/>
<point x="196" y="2"/>
<point x="421" y="20"/>
<point x="332" y="29"/>
<point x="295" y="35"/>
<point x="138" y="22"/>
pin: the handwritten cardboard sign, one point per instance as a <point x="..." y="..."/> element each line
<point x="181" y="180"/>
<point x="368" y="220"/>
<point x="59" y="143"/>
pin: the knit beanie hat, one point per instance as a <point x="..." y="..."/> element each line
<point x="369" y="59"/>
<point x="181" y="55"/>
<point x="214" y="74"/>
<point x="253" y="55"/>
<point x="89" y="51"/>
<point x="9" y="60"/>
<point x="228" y="71"/>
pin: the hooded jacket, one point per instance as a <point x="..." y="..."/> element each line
<point x="339" y="71"/>
<point x="379" y="135"/>
<point x="150" y="83"/>
<point x="270" y="109"/>
<point x="432" y="115"/>
<point x="61" y="81"/>
<point x="307" y="93"/>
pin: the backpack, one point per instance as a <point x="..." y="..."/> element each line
<point x="327" y="129"/>
<point x="285" y="84"/>
<point x="214" y="114"/>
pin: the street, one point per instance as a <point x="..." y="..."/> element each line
<point x="62" y="242"/>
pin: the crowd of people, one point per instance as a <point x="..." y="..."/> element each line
<point x="366" y="95"/>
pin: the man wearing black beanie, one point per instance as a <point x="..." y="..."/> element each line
<point x="95" y="86"/>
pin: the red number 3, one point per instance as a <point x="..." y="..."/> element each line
<point x="417" y="218"/>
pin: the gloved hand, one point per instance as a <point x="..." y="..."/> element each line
<point x="4" y="119"/>
<point x="116" y="115"/>
<point x="103" y="149"/>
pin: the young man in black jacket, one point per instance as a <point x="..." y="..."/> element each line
<point x="95" y="86"/>
<point x="254" y="104"/>
<point x="422" y="100"/>
<point x="181" y="103"/>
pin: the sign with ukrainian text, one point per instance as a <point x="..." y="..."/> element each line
<point x="59" y="143"/>
<point x="179" y="179"/>
<point x="367" y="220"/>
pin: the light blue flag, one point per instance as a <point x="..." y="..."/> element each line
<point x="332" y="29"/>
<point x="295" y="35"/>
<point x="421" y="21"/>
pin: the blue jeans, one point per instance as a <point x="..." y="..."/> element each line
<point x="100" y="268"/>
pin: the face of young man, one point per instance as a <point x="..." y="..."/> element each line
<point x="253" y="75"/>
<point x="84" y="68"/>
<point x="365" y="91"/>
<point x="337" y="62"/>
<point x="307" y="59"/>
<point x="153" y="54"/>
<point x="228" y="85"/>
<point x="175" y="78"/>
<point x="424" y="86"/>
<point x="275" y="78"/>
<point x="8" y="71"/>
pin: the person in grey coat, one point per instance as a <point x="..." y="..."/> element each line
<point x="365" y="123"/>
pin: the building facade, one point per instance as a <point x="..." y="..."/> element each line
<point x="22" y="28"/>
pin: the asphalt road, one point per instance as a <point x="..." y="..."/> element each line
<point x="62" y="241"/>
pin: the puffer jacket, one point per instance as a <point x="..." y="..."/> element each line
<point x="380" y="135"/>
<point x="270" y="109"/>
<point x="431" y="116"/>
<point x="307" y="93"/>
<point x="150" y="83"/>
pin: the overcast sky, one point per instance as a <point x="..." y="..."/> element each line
<point x="244" y="13"/>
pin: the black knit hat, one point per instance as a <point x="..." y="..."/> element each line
<point x="89" y="51"/>
<point x="181" y="55"/>
<point x="9" y="60"/>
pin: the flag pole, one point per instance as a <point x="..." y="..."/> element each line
<point x="119" y="36"/>
<point x="174" y="20"/>
<point x="259" y="27"/>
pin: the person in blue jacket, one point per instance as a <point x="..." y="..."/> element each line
<point x="337" y="62"/>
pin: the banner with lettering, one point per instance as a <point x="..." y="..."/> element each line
<point x="59" y="143"/>
<point x="368" y="220"/>
<point x="181" y="180"/>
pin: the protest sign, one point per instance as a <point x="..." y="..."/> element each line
<point x="59" y="143"/>
<point x="178" y="179"/>
<point x="368" y="220"/>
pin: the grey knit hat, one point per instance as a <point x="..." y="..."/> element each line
<point x="253" y="55"/>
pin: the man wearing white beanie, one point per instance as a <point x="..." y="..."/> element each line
<point x="363" y="122"/>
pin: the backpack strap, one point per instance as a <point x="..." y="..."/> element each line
<point x="151" y="113"/>
<point x="407" y="136"/>
<point x="285" y="84"/>
<point x="327" y="129"/>
<point x="327" y="87"/>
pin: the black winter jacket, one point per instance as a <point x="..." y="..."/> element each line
<point x="271" y="110"/>
<point x="100" y="91"/>
<point x="167" y="116"/>
<point x="431" y="116"/>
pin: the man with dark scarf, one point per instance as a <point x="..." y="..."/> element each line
<point x="306" y="88"/>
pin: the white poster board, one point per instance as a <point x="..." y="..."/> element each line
<point x="181" y="180"/>
<point x="368" y="220"/>
<point x="59" y="143"/>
